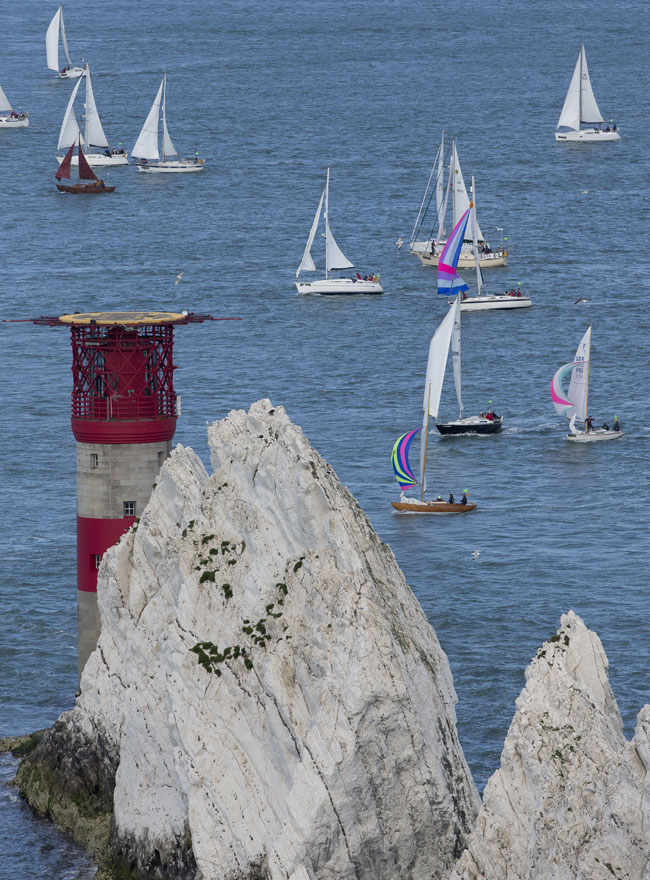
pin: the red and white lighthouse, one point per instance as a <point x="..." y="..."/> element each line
<point x="124" y="412"/>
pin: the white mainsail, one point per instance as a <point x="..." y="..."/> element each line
<point x="70" y="132"/>
<point x="146" y="146"/>
<point x="334" y="256"/>
<point x="436" y="366"/>
<point x="455" y="356"/>
<point x="168" y="148"/>
<point x="52" y="41"/>
<point x="578" y="392"/>
<point x="589" y="111"/>
<point x="307" y="262"/>
<point x="580" y="104"/>
<point x="5" y="106"/>
<point x="94" y="131"/>
<point x="461" y="200"/>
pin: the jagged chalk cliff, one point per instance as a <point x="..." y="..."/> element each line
<point x="572" y="796"/>
<point x="267" y="699"/>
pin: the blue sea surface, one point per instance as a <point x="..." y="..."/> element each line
<point x="271" y="94"/>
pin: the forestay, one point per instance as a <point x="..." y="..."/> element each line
<point x="146" y="146"/>
<point x="307" y="262"/>
<point x="5" y="106"/>
<point x="70" y="132"/>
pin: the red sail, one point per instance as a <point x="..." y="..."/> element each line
<point x="63" y="171"/>
<point x="85" y="171"/>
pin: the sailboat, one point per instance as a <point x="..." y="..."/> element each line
<point x="152" y="159"/>
<point x="52" y="48"/>
<point x="580" y="108"/>
<point x="96" y="148"/>
<point x="448" y="334"/>
<point x="574" y="403"/>
<point x="8" y="116"/>
<point x="334" y="259"/>
<point x="485" y="301"/>
<point x="429" y="249"/>
<point x="406" y="480"/>
<point x="88" y="183"/>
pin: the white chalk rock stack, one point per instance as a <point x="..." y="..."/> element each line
<point x="280" y="705"/>
<point x="572" y="796"/>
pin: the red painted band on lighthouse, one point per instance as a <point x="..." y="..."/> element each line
<point x="104" y="431"/>
<point x="94" y="537"/>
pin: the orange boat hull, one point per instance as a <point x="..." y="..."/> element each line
<point x="432" y="507"/>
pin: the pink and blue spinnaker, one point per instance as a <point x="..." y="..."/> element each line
<point x="449" y="281"/>
<point x="400" y="460"/>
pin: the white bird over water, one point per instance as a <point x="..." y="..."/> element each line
<point x="399" y="243"/>
<point x="476" y="554"/>
<point x="179" y="276"/>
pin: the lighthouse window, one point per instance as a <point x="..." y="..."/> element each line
<point x="129" y="508"/>
<point x="96" y="559"/>
<point x="94" y="459"/>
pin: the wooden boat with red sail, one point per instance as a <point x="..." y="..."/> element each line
<point x="89" y="183"/>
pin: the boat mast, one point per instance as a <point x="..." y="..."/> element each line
<point x="588" y="365"/>
<point x="163" y="111"/>
<point x="426" y="438"/>
<point x="472" y="204"/>
<point x="87" y="75"/>
<point x="582" y="52"/>
<point x="327" y="222"/>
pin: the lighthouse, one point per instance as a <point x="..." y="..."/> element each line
<point x="124" y="413"/>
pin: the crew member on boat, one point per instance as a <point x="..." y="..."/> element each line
<point x="463" y="500"/>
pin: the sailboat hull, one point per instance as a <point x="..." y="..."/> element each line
<point x="339" y="286"/>
<point x="84" y="188"/>
<point x="71" y="73"/>
<point x="586" y="136"/>
<point x="180" y="166"/>
<point x="498" y="301"/>
<point x="466" y="260"/>
<point x="595" y="436"/>
<point x="470" y="425"/>
<point x="11" y="122"/>
<point x="99" y="160"/>
<point x="440" y="507"/>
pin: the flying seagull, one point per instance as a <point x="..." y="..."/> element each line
<point x="179" y="276"/>
<point x="476" y="554"/>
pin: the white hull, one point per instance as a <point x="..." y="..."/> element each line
<point x="466" y="260"/>
<point x="586" y="136"/>
<point x="488" y="303"/>
<point x="72" y="73"/>
<point x="178" y="166"/>
<point x="99" y="160"/>
<point x="594" y="436"/>
<point x="334" y="286"/>
<point x="11" y="122"/>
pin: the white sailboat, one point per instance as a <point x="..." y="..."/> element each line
<point x="334" y="259"/>
<point x="580" y="108"/>
<point x="574" y="403"/>
<point x="55" y="28"/>
<point x="485" y="301"/>
<point x="9" y="118"/>
<point x="164" y="160"/>
<point x="429" y="249"/>
<point x="95" y="145"/>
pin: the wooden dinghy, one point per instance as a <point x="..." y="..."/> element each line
<point x="86" y="188"/>
<point x="439" y="507"/>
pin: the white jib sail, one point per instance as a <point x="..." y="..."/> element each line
<point x="52" y="41"/>
<point x="589" y="111"/>
<point x="461" y="200"/>
<point x="94" y="131"/>
<point x="5" y="106"/>
<point x="69" y="127"/>
<point x="146" y="146"/>
<point x="436" y="366"/>
<point x="307" y="262"/>
<point x="334" y="256"/>
<point x="579" y="384"/>
<point x="570" y="115"/>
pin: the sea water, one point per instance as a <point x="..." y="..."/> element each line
<point x="270" y="95"/>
